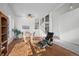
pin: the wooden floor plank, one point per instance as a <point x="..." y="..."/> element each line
<point x="21" y="49"/>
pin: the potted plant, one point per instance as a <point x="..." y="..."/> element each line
<point x="16" y="33"/>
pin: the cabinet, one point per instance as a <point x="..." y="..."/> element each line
<point x="3" y="34"/>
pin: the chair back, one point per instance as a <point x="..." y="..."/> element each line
<point x="50" y="35"/>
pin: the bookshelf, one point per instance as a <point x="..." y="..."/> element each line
<point x="3" y="34"/>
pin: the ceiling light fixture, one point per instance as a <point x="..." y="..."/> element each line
<point x="71" y="7"/>
<point x="30" y="16"/>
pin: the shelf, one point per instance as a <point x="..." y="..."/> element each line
<point x="3" y="19"/>
<point x="4" y="33"/>
<point x="4" y="30"/>
<point x="4" y="26"/>
<point x="2" y="54"/>
<point x="2" y="48"/>
<point x="4" y="42"/>
<point x="3" y="22"/>
<point x="3" y="36"/>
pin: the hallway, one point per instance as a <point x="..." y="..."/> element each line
<point x="21" y="20"/>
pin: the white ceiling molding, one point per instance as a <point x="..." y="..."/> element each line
<point x="37" y="9"/>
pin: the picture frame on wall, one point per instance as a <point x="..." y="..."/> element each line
<point x="25" y="27"/>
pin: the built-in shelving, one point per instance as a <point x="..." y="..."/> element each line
<point x="3" y="34"/>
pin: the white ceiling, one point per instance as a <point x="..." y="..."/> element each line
<point x="36" y="9"/>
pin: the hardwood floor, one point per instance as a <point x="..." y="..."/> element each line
<point x="19" y="48"/>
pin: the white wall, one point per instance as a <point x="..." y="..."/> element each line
<point x="67" y="27"/>
<point x="7" y="11"/>
<point x="20" y="21"/>
<point x="50" y="21"/>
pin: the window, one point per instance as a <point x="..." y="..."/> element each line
<point x="47" y="24"/>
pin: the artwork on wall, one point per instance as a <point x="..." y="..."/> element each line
<point x="25" y="27"/>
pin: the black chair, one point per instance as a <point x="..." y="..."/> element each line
<point x="49" y="38"/>
<point x="48" y="41"/>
